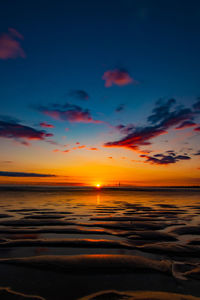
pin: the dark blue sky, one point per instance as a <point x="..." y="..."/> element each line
<point x="69" y="45"/>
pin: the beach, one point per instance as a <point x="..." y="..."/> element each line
<point x="62" y="243"/>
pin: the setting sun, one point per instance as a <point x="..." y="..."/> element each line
<point x="98" y="185"/>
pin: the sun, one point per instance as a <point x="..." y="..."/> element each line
<point x="98" y="185"/>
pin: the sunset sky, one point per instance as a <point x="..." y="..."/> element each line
<point x="100" y="92"/>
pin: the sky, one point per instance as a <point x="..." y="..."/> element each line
<point x="100" y="92"/>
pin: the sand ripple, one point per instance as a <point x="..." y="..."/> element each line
<point x="138" y="295"/>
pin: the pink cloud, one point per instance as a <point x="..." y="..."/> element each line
<point x="161" y="119"/>
<point x="21" y="133"/>
<point x="63" y="151"/>
<point x="69" y="112"/>
<point x="79" y="147"/>
<point x="9" y="46"/>
<point x="118" y="77"/>
<point x="139" y="137"/>
<point x="46" y="125"/>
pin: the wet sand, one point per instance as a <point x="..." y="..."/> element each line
<point x="72" y="244"/>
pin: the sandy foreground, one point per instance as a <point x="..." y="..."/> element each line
<point x="58" y="246"/>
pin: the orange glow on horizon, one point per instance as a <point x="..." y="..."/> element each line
<point x="82" y="174"/>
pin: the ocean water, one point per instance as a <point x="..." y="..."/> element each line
<point x="70" y="243"/>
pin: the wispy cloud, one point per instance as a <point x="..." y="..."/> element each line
<point x="139" y="137"/>
<point x="163" y="117"/>
<point x="79" y="94"/>
<point x="197" y="153"/>
<point x="125" y="129"/>
<point x="65" y="151"/>
<point x="46" y="125"/>
<point x="62" y="151"/>
<point x="23" y="174"/>
<point x="165" y="159"/>
<point x="186" y="124"/>
<point x="21" y="133"/>
<point x="119" y="108"/>
<point x="118" y="77"/>
<point x="69" y="112"/>
<point x="10" y="47"/>
<point x="196" y="105"/>
<point x="78" y="147"/>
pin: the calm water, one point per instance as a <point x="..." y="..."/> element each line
<point x="113" y="229"/>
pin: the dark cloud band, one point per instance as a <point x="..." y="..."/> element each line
<point x="22" y="174"/>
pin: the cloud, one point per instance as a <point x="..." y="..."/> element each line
<point x="15" y="33"/>
<point x="139" y="137"/>
<point x="197" y="153"/>
<point x="197" y="129"/>
<point x="170" y="152"/>
<point x="79" y="147"/>
<point x="9" y="119"/>
<point x="118" y="77"/>
<point x="9" y="45"/>
<point x="69" y="112"/>
<point x="79" y="94"/>
<point x="163" y="117"/>
<point x="23" y="174"/>
<point x="52" y="142"/>
<point x="186" y="124"/>
<point x="161" y="110"/>
<point x="46" y="125"/>
<point x="125" y="129"/>
<point x="120" y="108"/>
<point x="63" y="151"/>
<point x="21" y="133"/>
<point x="196" y="105"/>
<point x="166" y="118"/>
<point x="165" y="159"/>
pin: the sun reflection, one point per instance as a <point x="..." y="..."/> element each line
<point x="98" y="199"/>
